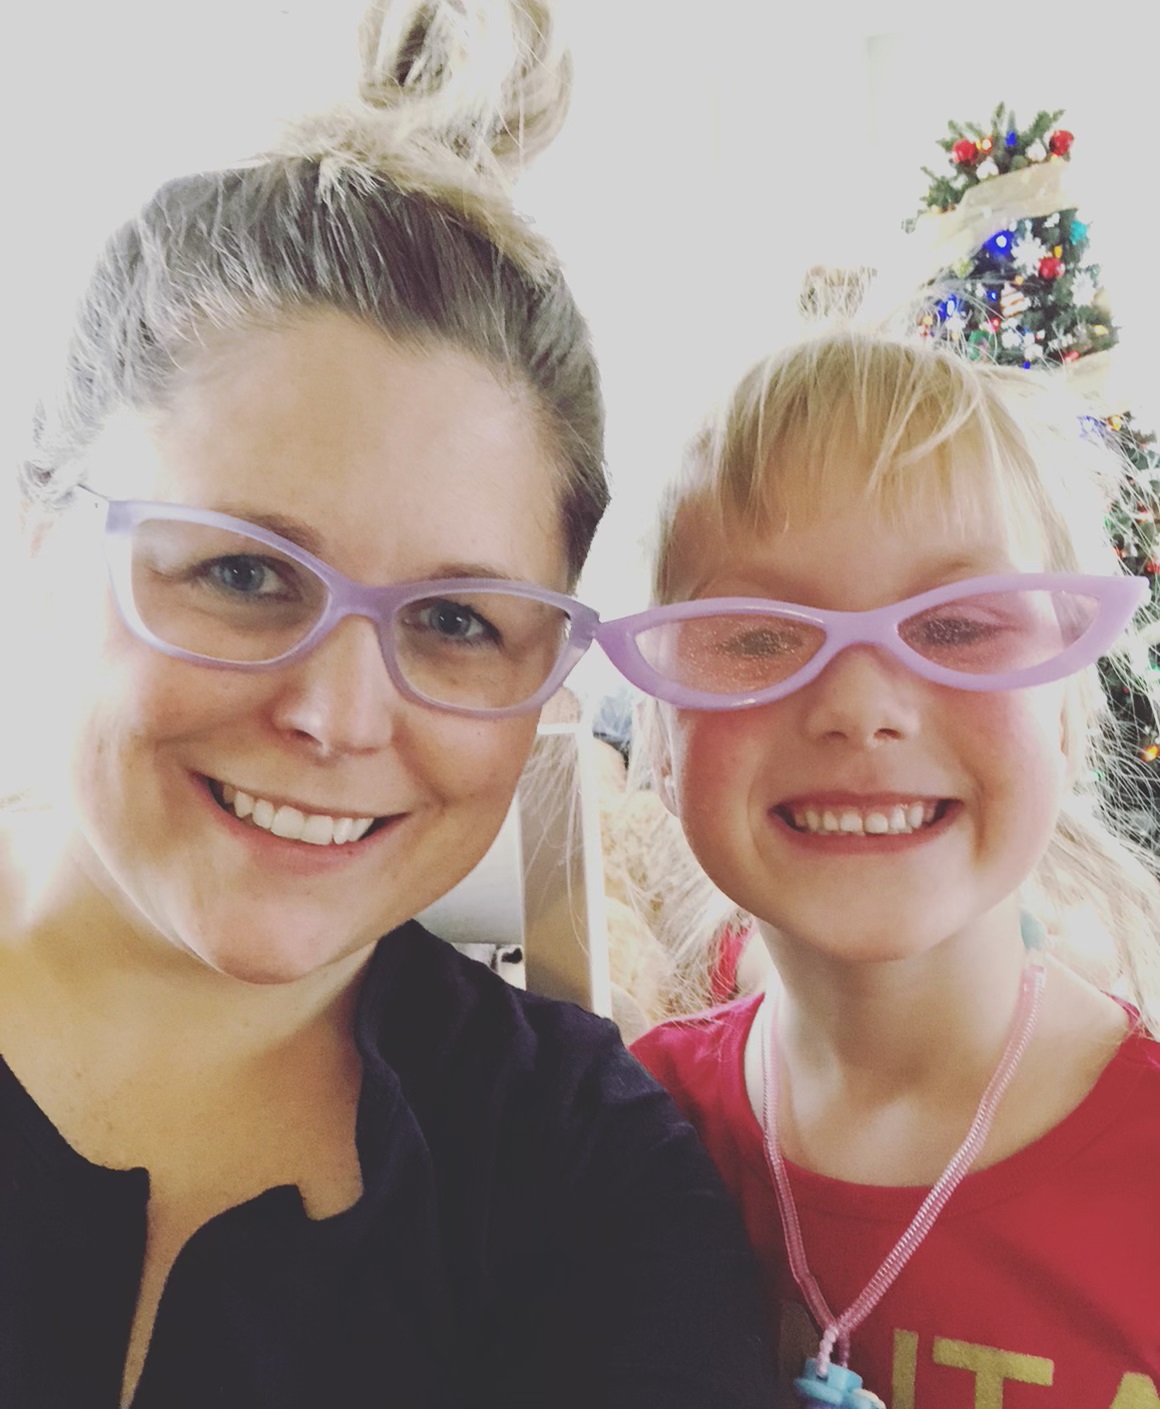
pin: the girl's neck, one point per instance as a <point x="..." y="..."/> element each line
<point x="893" y="1027"/>
<point x="881" y="1064"/>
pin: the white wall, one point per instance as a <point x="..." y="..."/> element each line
<point x="713" y="153"/>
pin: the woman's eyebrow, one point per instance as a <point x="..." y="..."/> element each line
<point x="303" y="536"/>
<point x="294" y="530"/>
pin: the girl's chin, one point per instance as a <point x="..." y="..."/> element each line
<point x="852" y="946"/>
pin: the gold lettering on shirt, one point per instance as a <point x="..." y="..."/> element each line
<point x="1136" y="1392"/>
<point x="904" y="1369"/>
<point x="991" y="1367"/>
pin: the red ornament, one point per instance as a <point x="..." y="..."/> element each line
<point x="1051" y="267"/>
<point x="1071" y="355"/>
<point x="964" y="152"/>
<point x="1060" y="142"/>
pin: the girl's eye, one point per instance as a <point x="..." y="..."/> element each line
<point x="954" y="631"/>
<point x="760" y="644"/>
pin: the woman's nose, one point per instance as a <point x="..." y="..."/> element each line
<point x="863" y="697"/>
<point x="341" y="699"/>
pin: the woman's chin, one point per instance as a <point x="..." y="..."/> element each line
<point x="280" y="960"/>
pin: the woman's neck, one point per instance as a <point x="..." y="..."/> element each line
<point x="97" y="966"/>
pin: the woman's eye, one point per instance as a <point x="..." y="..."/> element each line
<point x="452" y="621"/>
<point x="245" y="576"/>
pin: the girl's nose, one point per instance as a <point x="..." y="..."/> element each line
<point x="341" y="698"/>
<point x="863" y="697"/>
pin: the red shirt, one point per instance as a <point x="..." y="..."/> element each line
<point x="1037" y="1288"/>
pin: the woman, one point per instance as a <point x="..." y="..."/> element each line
<point x="249" y="1153"/>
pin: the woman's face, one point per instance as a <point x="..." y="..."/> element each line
<point x="391" y="465"/>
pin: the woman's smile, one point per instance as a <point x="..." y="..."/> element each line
<point x="314" y="826"/>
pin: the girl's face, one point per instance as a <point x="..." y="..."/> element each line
<point x="986" y="770"/>
<point x="391" y="465"/>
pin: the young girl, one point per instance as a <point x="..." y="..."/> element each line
<point x="883" y="585"/>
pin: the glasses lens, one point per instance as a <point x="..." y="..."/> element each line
<point x="479" y="649"/>
<point x="1000" y="632"/>
<point x="220" y="594"/>
<point x="730" y="654"/>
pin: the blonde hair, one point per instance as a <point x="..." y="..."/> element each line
<point x="397" y="211"/>
<point x="942" y="436"/>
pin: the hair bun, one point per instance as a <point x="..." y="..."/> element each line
<point x="487" y="78"/>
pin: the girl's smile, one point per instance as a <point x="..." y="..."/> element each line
<point x="854" y="824"/>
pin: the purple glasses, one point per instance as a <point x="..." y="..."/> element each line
<point x="986" y="633"/>
<point x="219" y="591"/>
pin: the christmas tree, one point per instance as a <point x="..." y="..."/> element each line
<point x="1015" y="286"/>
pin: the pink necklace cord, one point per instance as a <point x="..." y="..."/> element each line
<point x="837" y="1329"/>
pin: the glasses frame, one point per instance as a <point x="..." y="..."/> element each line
<point x="344" y="598"/>
<point x="1118" y="598"/>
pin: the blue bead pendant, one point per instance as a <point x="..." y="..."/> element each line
<point x="838" y="1386"/>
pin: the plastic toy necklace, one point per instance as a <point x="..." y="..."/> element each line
<point x="822" y="1381"/>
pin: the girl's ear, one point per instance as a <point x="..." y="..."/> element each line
<point x="663" y="775"/>
<point x="650" y="759"/>
<point x="661" y="761"/>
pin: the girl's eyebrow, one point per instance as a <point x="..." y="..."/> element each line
<point x="928" y="574"/>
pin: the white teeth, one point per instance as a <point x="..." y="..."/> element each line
<point x="288" y="822"/>
<point x="314" y="828"/>
<point x="899" y="820"/>
<point x="318" y="830"/>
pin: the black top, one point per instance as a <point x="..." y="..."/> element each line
<point x="539" y="1228"/>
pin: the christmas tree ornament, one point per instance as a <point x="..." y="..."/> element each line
<point x="1027" y="252"/>
<point x="1083" y="288"/>
<point x="1036" y="152"/>
<point x="1051" y="267"/>
<point x="1060" y="142"/>
<point x="986" y="169"/>
<point x="822" y="1381"/>
<point x="964" y="151"/>
<point x="1012" y="302"/>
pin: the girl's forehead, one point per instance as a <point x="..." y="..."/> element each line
<point x="925" y="527"/>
